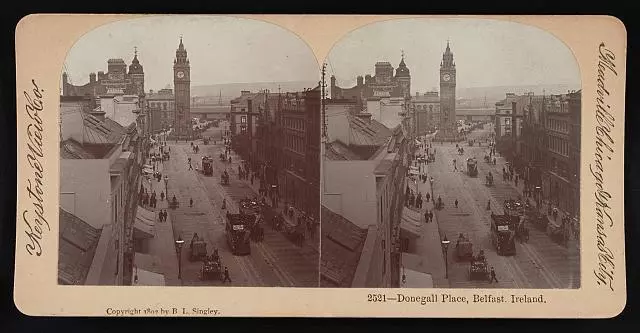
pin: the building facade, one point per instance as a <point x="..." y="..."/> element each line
<point x="561" y="181"/>
<point x="427" y="111"/>
<point x="182" y="98"/>
<point x="116" y="80"/>
<point x="163" y="106"/>
<point x="383" y="84"/>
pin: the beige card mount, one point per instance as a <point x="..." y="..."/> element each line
<point x="320" y="166"/>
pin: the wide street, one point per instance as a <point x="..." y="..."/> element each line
<point x="275" y="261"/>
<point x="538" y="263"/>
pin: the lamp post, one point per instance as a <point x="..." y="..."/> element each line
<point x="445" y="247"/>
<point x="179" y="244"/>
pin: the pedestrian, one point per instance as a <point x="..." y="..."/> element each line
<point x="430" y="216"/>
<point x="456" y="202"/>
<point x="493" y="275"/>
<point x="161" y="196"/>
<point x="226" y="275"/>
<point x="191" y="202"/>
<point x="489" y="205"/>
<point x="426" y="216"/>
<point x="428" y="196"/>
<point x="190" y="166"/>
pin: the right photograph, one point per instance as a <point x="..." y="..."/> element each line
<point x="451" y="157"/>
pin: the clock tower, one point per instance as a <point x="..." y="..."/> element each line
<point x="448" y="129"/>
<point x="182" y="92"/>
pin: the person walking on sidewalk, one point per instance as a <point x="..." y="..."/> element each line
<point x="190" y="202"/>
<point x="456" y="203"/>
<point x="226" y="275"/>
<point x="493" y="276"/>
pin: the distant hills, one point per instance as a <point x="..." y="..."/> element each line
<point x="498" y="92"/>
<point x="232" y="90"/>
<point x="229" y="91"/>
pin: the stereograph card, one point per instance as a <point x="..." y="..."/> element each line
<point x="320" y="166"/>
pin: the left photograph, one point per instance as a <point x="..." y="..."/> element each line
<point x="190" y="155"/>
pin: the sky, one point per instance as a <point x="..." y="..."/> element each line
<point x="220" y="50"/>
<point x="486" y="53"/>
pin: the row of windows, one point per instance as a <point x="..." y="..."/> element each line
<point x="558" y="145"/>
<point x="295" y="143"/>
<point x="160" y="105"/>
<point x="558" y="125"/>
<point x="426" y="107"/>
<point x="293" y="123"/>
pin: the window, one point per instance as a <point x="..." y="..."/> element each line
<point x="243" y="119"/>
<point x="164" y="106"/>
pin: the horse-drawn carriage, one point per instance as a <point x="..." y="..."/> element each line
<point x="464" y="249"/>
<point x="197" y="248"/>
<point x="293" y="226"/>
<point x="479" y="268"/>
<point x="212" y="268"/>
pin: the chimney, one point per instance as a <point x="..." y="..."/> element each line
<point x="359" y="80"/>
<point x="366" y="117"/>
<point x="92" y="78"/>
<point x="333" y="80"/>
<point x="244" y="92"/>
<point x="150" y="91"/>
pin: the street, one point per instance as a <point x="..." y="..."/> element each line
<point x="275" y="261"/>
<point x="538" y="263"/>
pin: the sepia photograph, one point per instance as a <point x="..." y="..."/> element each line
<point x="451" y="157"/>
<point x="356" y="166"/>
<point x="189" y="155"/>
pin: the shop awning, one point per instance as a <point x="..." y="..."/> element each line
<point x="144" y="226"/>
<point x="410" y="223"/>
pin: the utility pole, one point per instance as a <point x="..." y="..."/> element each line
<point x="323" y="85"/>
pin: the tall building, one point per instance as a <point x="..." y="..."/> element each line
<point x="448" y="129"/>
<point x="115" y="81"/>
<point x="182" y="87"/>
<point x="383" y="85"/>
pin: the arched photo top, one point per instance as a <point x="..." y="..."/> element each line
<point x="221" y="50"/>
<point x="487" y="52"/>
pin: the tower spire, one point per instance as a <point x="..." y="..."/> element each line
<point x="135" y="51"/>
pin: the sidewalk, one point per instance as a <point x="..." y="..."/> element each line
<point x="429" y="245"/>
<point x="163" y="244"/>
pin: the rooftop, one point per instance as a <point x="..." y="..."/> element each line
<point x="78" y="242"/>
<point x="342" y="243"/>
<point x="72" y="149"/>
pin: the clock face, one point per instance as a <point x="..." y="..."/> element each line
<point x="446" y="77"/>
<point x="180" y="75"/>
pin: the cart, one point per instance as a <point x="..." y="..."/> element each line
<point x="211" y="269"/>
<point x="198" y="250"/>
<point x="464" y="249"/>
<point x="479" y="270"/>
